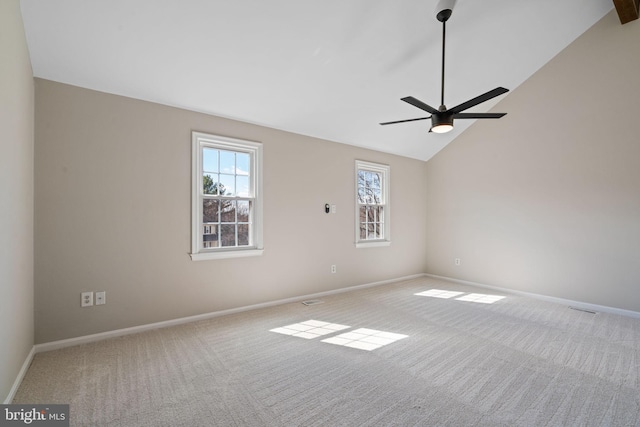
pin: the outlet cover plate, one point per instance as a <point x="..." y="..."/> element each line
<point x="86" y="299"/>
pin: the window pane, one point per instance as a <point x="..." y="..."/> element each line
<point x="377" y="195"/>
<point x="361" y="187"/>
<point x="369" y="179"/>
<point x="209" y="160"/>
<point x="228" y="232"/>
<point x="363" y="232"/>
<point x="210" y="211"/>
<point x="362" y="192"/>
<point x="242" y="186"/>
<point x="227" y="162"/>
<point x="363" y="213"/>
<point x="242" y="164"/>
<point x="210" y="183"/>
<point x="243" y="235"/>
<point x="210" y="236"/>
<point x="228" y="211"/>
<point x="243" y="210"/>
<point x="368" y="188"/>
<point x="371" y="231"/>
<point x="228" y="185"/>
<point x="376" y="180"/>
<point x="377" y="213"/>
<point x="361" y="195"/>
<point x="368" y="217"/>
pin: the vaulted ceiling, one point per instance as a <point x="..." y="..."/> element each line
<point x="331" y="69"/>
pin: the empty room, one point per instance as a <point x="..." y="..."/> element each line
<point x="319" y="213"/>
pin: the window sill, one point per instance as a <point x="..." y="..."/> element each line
<point x="204" y="256"/>
<point x="373" y="244"/>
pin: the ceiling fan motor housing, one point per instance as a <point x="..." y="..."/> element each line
<point x="440" y="119"/>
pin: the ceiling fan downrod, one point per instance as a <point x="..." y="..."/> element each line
<point x="444" y="32"/>
<point x="444" y="10"/>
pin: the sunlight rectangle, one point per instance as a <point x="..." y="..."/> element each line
<point x="337" y="340"/>
<point x="310" y="329"/>
<point x="438" y="293"/>
<point x="352" y="336"/>
<point x="377" y="340"/>
<point x="361" y="345"/>
<point x="365" y="339"/>
<point x="481" y="298"/>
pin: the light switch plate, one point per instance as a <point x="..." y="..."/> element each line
<point x="101" y="298"/>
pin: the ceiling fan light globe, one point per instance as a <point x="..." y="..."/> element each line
<point x="442" y="128"/>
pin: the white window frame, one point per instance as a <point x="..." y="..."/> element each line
<point x="199" y="141"/>
<point x="385" y="171"/>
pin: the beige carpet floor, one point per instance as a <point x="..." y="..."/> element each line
<point x="514" y="362"/>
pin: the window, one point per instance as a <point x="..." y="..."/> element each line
<point x="226" y="197"/>
<point x="372" y="205"/>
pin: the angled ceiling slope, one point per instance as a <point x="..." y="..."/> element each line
<point x="329" y="69"/>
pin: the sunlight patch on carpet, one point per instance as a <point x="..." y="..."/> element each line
<point x="438" y="293"/>
<point x="481" y="298"/>
<point x="310" y="329"/>
<point x="365" y="339"/>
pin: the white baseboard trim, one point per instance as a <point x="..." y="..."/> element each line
<point x="21" y="374"/>
<point x="55" y="345"/>
<point x="577" y="304"/>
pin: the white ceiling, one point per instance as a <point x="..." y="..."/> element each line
<point x="331" y="69"/>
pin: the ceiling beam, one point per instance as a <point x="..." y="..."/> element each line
<point x="627" y="10"/>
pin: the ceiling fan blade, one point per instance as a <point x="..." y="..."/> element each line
<point x="421" y="105"/>
<point x="478" y="100"/>
<point x="403" y="121"/>
<point x="478" y="115"/>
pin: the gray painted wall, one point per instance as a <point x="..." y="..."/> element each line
<point x="113" y="214"/>
<point x="547" y="199"/>
<point x="16" y="196"/>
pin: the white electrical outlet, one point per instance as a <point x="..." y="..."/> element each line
<point x="457" y="261"/>
<point x="101" y="298"/>
<point x="333" y="268"/>
<point x="86" y="299"/>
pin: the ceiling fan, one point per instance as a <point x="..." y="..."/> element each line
<point x="442" y="118"/>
